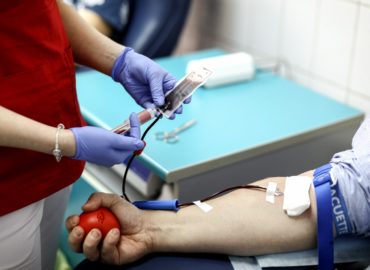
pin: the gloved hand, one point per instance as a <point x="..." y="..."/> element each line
<point x="146" y="81"/>
<point x="104" y="147"/>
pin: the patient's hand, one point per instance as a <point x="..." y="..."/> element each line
<point x="118" y="247"/>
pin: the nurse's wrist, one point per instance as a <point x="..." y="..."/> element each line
<point x="67" y="143"/>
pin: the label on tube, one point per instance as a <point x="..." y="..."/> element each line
<point x="184" y="89"/>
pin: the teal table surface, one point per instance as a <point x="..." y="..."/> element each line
<point x="234" y="122"/>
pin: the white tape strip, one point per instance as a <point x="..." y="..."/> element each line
<point x="204" y="206"/>
<point x="270" y="192"/>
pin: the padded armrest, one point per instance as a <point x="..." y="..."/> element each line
<point x="346" y="250"/>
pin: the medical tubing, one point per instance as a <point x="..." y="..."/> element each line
<point x="223" y="191"/>
<point x="132" y="158"/>
<point x="151" y="125"/>
<point x="173" y="205"/>
<point x="125" y="176"/>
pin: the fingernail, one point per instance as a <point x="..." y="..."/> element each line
<point x="115" y="232"/>
<point x="142" y="144"/>
<point x="140" y="150"/>
<point x="159" y="101"/>
<point x="95" y="234"/>
<point x="78" y="232"/>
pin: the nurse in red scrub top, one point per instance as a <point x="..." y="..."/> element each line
<point x="43" y="139"/>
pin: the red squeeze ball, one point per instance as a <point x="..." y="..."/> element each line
<point x="102" y="219"/>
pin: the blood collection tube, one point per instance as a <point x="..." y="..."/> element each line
<point x="144" y="116"/>
<point x="184" y="89"/>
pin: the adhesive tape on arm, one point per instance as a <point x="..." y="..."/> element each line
<point x="270" y="192"/>
<point x="205" y="207"/>
<point x="296" y="195"/>
<point x="229" y="68"/>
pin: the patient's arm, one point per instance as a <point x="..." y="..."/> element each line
<point x="241" y="223"/>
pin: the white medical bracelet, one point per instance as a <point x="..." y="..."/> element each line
<point x="58" y="152"/>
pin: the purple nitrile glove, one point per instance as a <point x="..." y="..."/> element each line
<point x="104" y="147"/>
<point x="146" y="81"/>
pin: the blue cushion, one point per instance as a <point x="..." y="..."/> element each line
<point x="349" y="249"/>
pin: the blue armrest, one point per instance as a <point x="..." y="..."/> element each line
<point x="346" y="250"/>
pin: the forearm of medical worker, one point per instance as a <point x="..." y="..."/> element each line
<point x="146" y="81"/>
<point x="90" y="47"/>
<point x="21" y="132"/>
<point x="92" y="144"/>
<point x="240" y="223"/>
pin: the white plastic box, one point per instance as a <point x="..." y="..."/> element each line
<point x="227" y="69"/>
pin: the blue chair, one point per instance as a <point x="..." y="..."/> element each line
<point x="155" y="26"/>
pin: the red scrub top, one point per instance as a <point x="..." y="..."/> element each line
<point x="37" y="80"/>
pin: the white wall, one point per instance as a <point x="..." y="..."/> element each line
<point x="326" y="43"/>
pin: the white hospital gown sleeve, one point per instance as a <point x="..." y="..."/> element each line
<point x="351" y="171"/>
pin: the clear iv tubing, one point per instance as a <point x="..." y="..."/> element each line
<point x="144" y="116"/>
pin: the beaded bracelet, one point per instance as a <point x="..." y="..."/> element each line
<point x="57" y="152"/>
